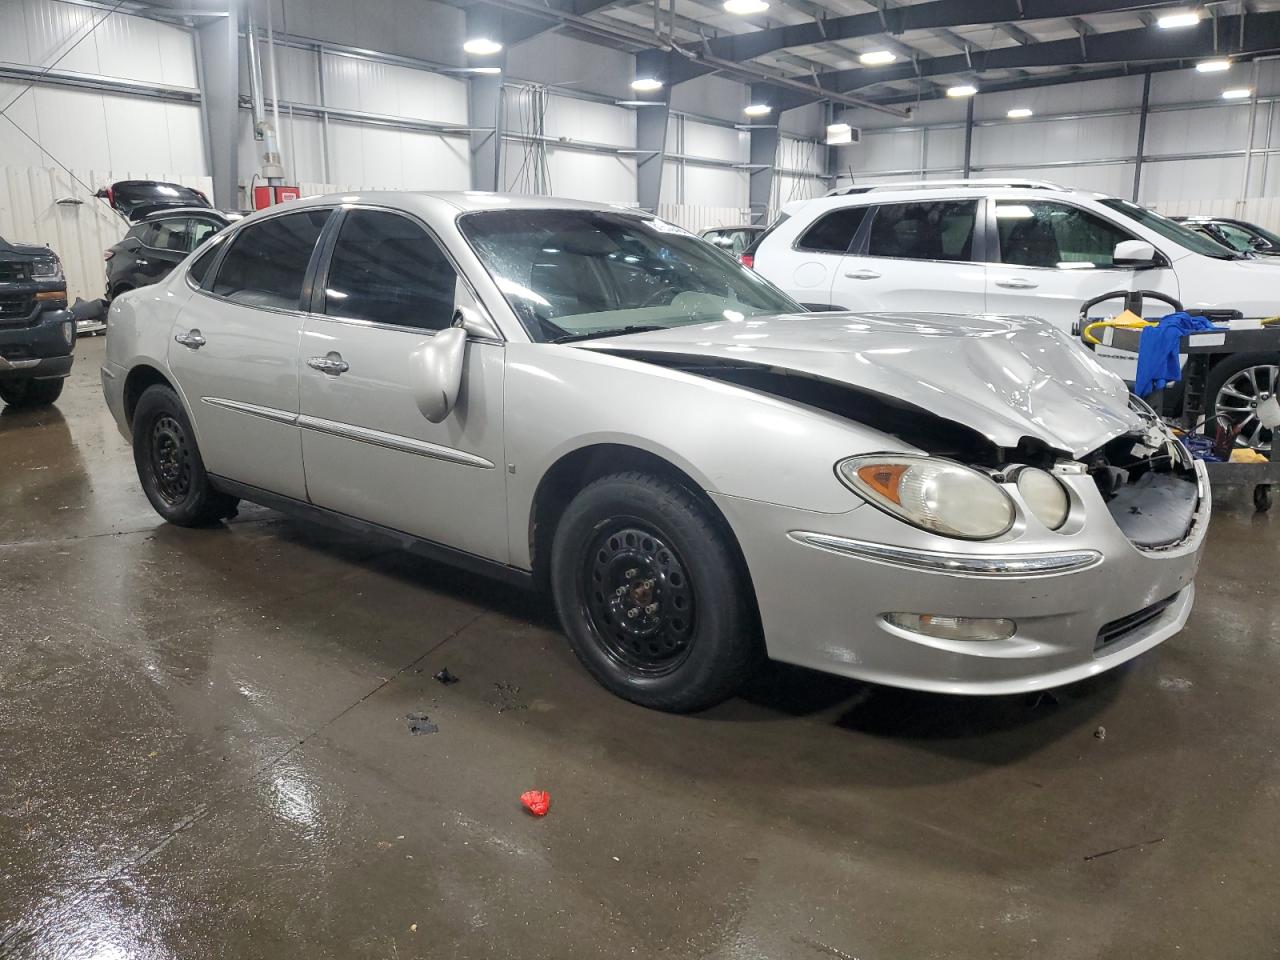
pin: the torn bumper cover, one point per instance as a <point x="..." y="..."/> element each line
<point x="1081" y="601"/>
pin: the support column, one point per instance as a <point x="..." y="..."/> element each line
<point x="651" y="127"/>
<point x="218" y="55"/>
<point x="968" y="137"/>
<point x="1142" y="135"/>
<point x="484" y="104"/>
<point x="764" y="156"/>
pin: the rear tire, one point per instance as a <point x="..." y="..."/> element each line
<point x="30" y="393"/>
<point x="653" y="595"/>
<point x="169" y="463"/>
<point x="1235" y="387"/>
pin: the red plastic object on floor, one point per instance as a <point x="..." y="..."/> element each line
<point x="537" y="802"/>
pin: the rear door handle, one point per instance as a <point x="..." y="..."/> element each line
<point x="1017" y="283"/>
<point x="191" y="339"/>
<point x="862" y="275"/>
<point x="332" y="364"/>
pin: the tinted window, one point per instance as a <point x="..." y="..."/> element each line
<point x="1236" y="238"/>
<point x="1042" y="234"/>
<point x="201" y="230"/>
<point x="834" y="232"/>
<point x="268" y="260"/>
<point x="387" y="268"/>
<point x="938" y="230"/>
<point x="173" y="235"/>
<point x="201" y="265"/>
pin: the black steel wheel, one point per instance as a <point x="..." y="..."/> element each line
<point x="169" y="465"/>
<point x="653" y="593"/>
<point x="639" y="599"/>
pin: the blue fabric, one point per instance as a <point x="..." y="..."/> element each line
<point x="1158" y="351"/>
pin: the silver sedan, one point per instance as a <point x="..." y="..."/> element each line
<point x="590" y="400"/>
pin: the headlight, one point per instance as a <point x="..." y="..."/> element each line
<point x="46" y="268"/>
<point x="1045" y="496"/>
<point x="932" y="494"/>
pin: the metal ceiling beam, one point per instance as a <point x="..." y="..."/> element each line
<point x="920" y="16"/>
<point x="1016" y="34"/>
<point x="516" y="27"/>
<point x="1044" y="80"/>
<point x="1261" y="34"/>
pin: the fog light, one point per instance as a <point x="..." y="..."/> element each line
<point x="69" y="331"/>
<point x="954" y="628"/>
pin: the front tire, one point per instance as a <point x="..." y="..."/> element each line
<point x="30" y="393"/>
<point x="169" y="463"/>
<point x="653" y="595"/>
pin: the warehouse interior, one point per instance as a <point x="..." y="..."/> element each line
<point x="264" y="737"/>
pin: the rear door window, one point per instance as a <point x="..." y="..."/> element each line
<point x="267" y="262"/>
<point x="1040" y="233"/>
<point x="387" y="269"/>
<point x="932" y="230"/>
<point x="834" y="231"/>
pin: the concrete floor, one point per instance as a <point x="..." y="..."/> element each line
<point x="205" y="753"/>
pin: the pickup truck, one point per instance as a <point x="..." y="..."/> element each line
<point x="37" y="332"/>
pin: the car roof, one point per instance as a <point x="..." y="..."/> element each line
<point x="181" y="212"/>
<point x="949" y="189"/>
<point x="736" y="226"/>
<point x="465" y="200"/>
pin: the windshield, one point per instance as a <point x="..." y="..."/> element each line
<point x="577" y="274"/>
<point x="1170" y="230"/>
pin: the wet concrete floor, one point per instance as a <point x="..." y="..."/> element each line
<point x="205" y="752"/>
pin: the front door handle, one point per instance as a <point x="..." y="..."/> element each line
<point x="192" y="339"/>
<point x="862" y="275"/>
<point x="1017" y="283"/>
<point x="332" y="364"/>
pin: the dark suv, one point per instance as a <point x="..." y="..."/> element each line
<point x="37" y="332"/>
<point x="156" y="244"/>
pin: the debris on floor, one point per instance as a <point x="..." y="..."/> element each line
<point x="1100" y="733"/>
<point x="537" y="802"/>
<point x="420" y="723"/>
<point x="445" y="677"/>
<point x="506" y="696"/>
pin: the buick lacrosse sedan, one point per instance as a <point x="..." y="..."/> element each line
<point x="591" y="400"/>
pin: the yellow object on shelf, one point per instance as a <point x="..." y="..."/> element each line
<point x="1125" y="319"/>
<point x="1247" y="455"/>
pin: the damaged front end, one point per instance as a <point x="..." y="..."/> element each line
<point x="1150" y="485"/>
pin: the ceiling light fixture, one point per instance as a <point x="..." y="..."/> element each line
<point x="481" y="46"/>
<point x="1019" y="113"/>
<point x="1237" y="93"/>
<point x="1213" y="66"/>
<point x="963" y="90"/>
<point x="877" y="58"/>
<point x="744" y="8"/>
<point x="646" y="84"/>
<point x="838" y="133"/>
<point x="1171" y="21"/>
<point x="757" y="110"/>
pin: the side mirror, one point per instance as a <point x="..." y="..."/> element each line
<point x="438" y="364"/>
<point x="1137" y="254"/>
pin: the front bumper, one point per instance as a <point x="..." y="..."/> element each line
<point x="36" y="346"/>
<point x="822" y="599"/>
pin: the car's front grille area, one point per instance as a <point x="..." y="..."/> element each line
<point x="15" y="307"/>
<point x="15" y="352"/>
<point x="14" y="272"/>
<point x="1124" y="626"/>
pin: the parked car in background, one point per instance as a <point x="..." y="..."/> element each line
<point x="157" y="243"/>
<point x="37" y="333"/>
<point x="733" y="240"/>
<point x="1013" y="247"/>
<point x="1239" y="236"/>
<point x="593" y="400"/>
<point x="137" y="198"/>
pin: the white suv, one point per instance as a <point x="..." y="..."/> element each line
<point x="1019" y="247"/>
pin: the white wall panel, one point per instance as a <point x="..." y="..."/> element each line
<point x="592" y="176"/>
<point x="1223" y="127"/>
<point x="554" y="59"/>
<point x="711" y="96"/>
<point x="589" y="121"/>
<point x="715" y="186"/>
<point x="410" y="28"/>
<point x="714" y="142"/>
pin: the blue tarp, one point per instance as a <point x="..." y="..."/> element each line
<point x="1158" y="351"/>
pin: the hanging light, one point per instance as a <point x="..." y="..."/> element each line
<point x="1213" y="66"/>
<point x="744" y="8"/>
<point x="646" y="84"/>
<point x="1172" y="21"/>
<point x="757" y="110"/>
<point x="481" y="46"/>
<point x="962" y="90"/>
<point x="877" y="58"/>
<point x="1019" y="113"/>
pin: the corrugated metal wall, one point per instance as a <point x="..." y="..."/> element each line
<point x="77" y="231"/>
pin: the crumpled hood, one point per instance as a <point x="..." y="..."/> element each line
<point x="1005" y="377"/>
<point x="22" y="251"/>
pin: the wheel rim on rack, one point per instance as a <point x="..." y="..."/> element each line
<point x="1238" y="400"/>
